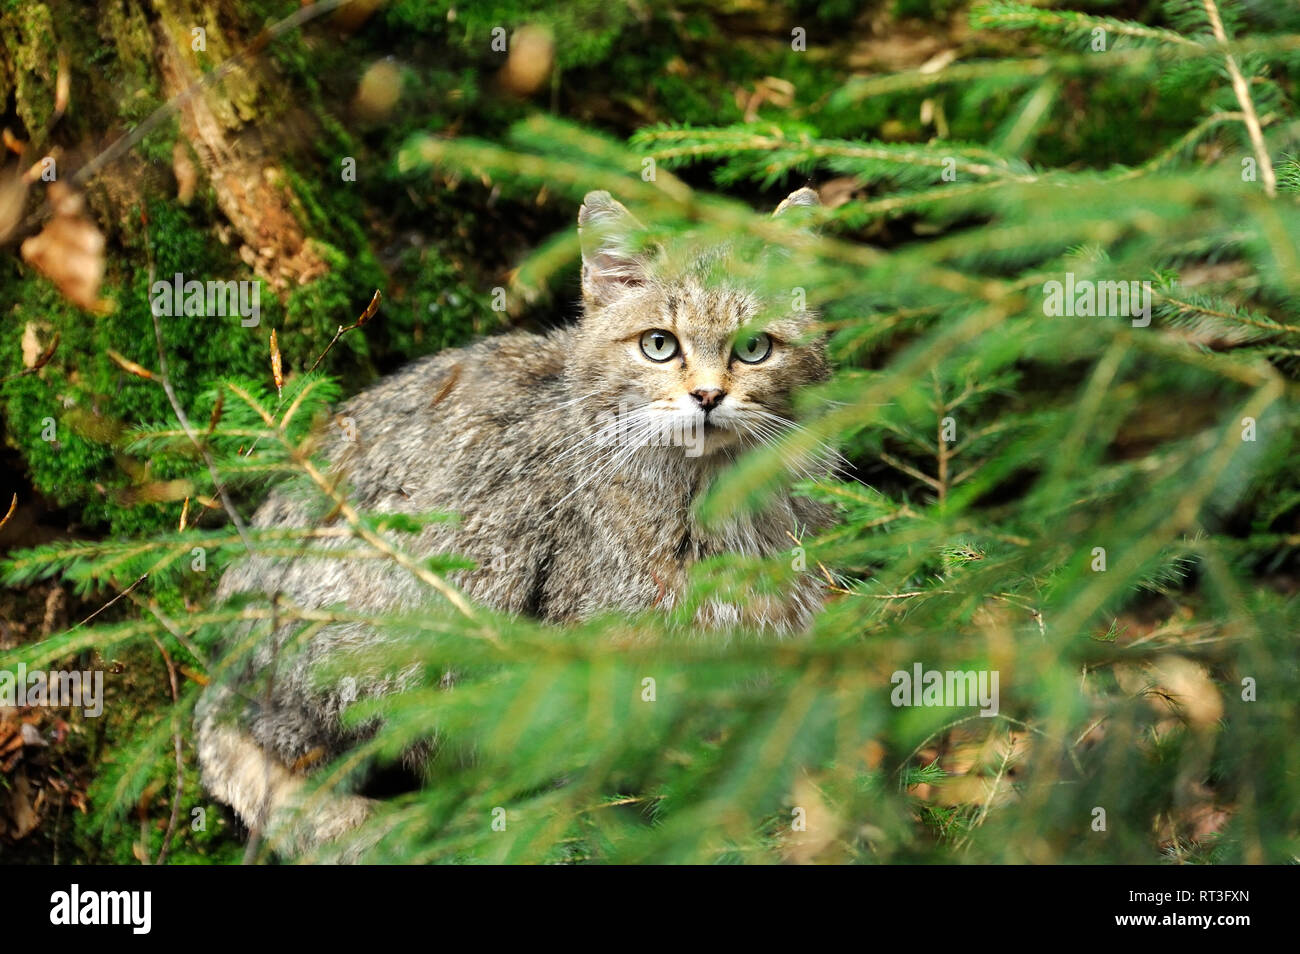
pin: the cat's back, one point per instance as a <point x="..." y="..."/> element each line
<point x="488" y="381"/>
<point x="431" y="434"/>
<point x="456" y="431"/>
<point x="449" y="403"/>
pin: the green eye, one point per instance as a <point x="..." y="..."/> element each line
<point x="658" y="345"/>
<point x="752" y="349"/>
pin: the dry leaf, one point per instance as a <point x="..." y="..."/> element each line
<point x="31" y="345"/>
<point x="62" y="85"/>
<point x="34" y="356"/>
<point x="69" y="251"/>
<point x="820" y="824"/>
<point x="938" y="62"/>
<point x="13" y="505"/>
<point x="1187" y="688"/>
<point x="371" y="308"/>
<point x="126" y="364"/>
<point x="835" y="192"/>
<point x="532" y="53"/>
<point x="157" y="491"/>
<point x="13" y="194"/>
<point x="216" y="412"/>
<point x="22" y="815"/>
<point x="770" y="89"/>
<point x="11" y="739"/>
<point x="276" y="370"/>
<point x="379" y="90"/>
<point x="352" y="16"/>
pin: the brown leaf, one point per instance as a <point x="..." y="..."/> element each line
<point x="62" y="85"/>
<point x="31" y="344"/>
<point x="770" y="89"/>
<point x="157" y="491"/>
<point x="819" y="827"/>
<point x="69" y="251"/>
<point x="966" y="790"/>
<point x="532" y="53"/>
<point x="56" y="611"/>
<point x="276" y="370"/>
<point x="1188" y="689"/>
<point x="13" y="505"/>
<point x="20" y="811"/>
<point x="13" y="194"/>
<point x="10" y="738"/>
<point x="371" y="308"/>
<point x="379" y="90"/>
<point x="216" y="412"/>
<point x="835" y="192"/>
<point x="129" y="366"/>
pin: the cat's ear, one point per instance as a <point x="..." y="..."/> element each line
<point x="804" y="197"/>
<point x="610" y="264"/>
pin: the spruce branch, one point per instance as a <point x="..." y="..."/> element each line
<point x="1007" y="15"/>
<point x="1242" y="91"/>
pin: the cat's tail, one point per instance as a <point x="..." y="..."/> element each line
<point x="295" y="818"/>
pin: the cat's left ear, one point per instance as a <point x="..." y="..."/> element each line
<point x="804" y="197"/>
<point x="610" y="264"/>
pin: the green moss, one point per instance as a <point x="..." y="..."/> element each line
<point x="27" y="33"/>
<point x="586" y="30"/>
<point x="92" y="401"/>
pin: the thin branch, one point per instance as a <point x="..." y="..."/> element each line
<point x="165" y="380"/>
<point x="988" y="802"/>
<point x="1242" y="89"/>
<point x="42" y="360"/>
<point x="365" y="316"/>
<point x="125" y="592"/>
<point x="13" y="505"/>
<point x="379" y="543"/>
<point x="180" y="758"/>
<point x="156" y="611"/>
<point x="909" y="470"/>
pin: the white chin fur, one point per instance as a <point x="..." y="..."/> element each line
<point x="690" y="429"/>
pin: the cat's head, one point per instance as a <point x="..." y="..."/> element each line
<point x="683" y="344"/>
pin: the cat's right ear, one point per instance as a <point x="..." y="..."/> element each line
<point x="610" y="264"/>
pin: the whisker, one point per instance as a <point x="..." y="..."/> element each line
<point x="770" y="434"/>
<point x="605" y="433"/>
<point x="828" y="454"/>
<point x="581" y="397"/>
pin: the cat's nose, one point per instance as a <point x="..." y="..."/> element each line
<point x="708" y="398"/>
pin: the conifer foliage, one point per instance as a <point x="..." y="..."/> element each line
<point x="1063" y="415"/>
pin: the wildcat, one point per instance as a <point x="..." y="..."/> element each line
<point x="549" y="449"/>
